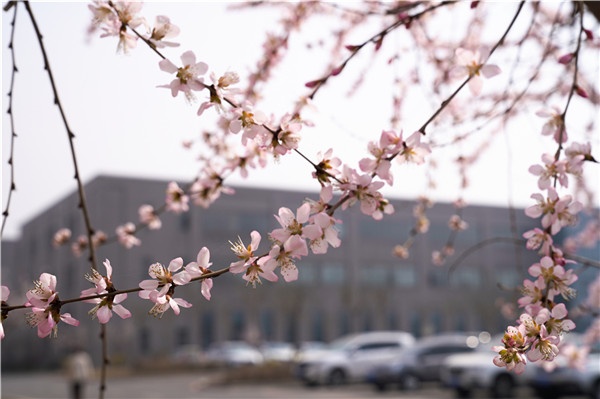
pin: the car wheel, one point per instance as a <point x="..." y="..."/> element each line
<point x="381" y="387"/>
<point x="503" y="386"/>
<point x="337" y="377"/>
<point x="409" y="382"/>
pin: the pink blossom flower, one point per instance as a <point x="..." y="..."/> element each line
<point x="511" y="354"/>
<point x="188" y="77"/>
<point x="149" y="217"/>
<point x="106" y="305"/>
<point x="534" y="291"/>
<point x="554" y="124"/>
<point x="4" y="293"/>
<point x="538" y="239"/>
<point x="45" y="306"/>
<point x="413" y="150"/>
<point x="176" y="200"/>
<point x="248" y="120"/>
<point x="457" y="224"/>
<point x="260" y="268"/>
<point x="322" y="205"/>
<point x="329" y="234"/>
<point x="246" y="254"/>
<point x="46" y="319"/>
<point x="326" y="166"/>
<point x="200" y="267"/>
<point x="61" y="237"/>
<point x="557" y="212"/>
<point x="551" y="169"/>
<point x="289" y="136"/>
<point x="471" y="63"/>
<point x="545" y="347"/>
<point x="282" y="256"/>
<point x="126" y="16"/>
<point x="218" y="90"/>
<point x="163" y="276"/>
<point x="555" y="321"/>
<point x="294" y="224"/>
<point x="125" y="234"/>
<point x="552" y="272"/>
<point x="163" y="29"/>
<point x="43" y="293"/>
<point x="401" y="251"/>
<point x="163" y="300"/>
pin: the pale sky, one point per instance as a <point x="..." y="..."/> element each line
<point x="125" y="125"/>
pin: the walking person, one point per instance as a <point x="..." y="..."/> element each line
<point x="79" y="369"/>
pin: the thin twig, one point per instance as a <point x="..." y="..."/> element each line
<point x="13" y="134"/>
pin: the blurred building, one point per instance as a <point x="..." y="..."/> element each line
<point x="359" y="286"/>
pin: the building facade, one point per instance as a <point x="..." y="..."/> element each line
<point x="357" y="287"/>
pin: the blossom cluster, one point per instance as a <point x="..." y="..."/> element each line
<point x="538" y="334"/>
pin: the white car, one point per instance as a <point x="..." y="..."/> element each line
<point x="350" y="358"/>
<point x="468" y="372"/>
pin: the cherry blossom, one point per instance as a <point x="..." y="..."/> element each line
<point x="4" y="293"/>
<point x="413" y="150"/>
<point x="149" y="217"/>
<point x="327" y="166"/>
<point x="511" y="354"/>
<point x="177" y="200"/>
<point x="125" y="234"/>
<point x="163" y="29"/>
<point x="43" y="293"/>
<point x="329" y="234"/>
<point x="552" y="169"/>
<point x="246" y="254"/>
<point x="164" y="275"/>
<point x="46" y="319"/>
<point x="294" y="224"/>
<point x="471" y="63"/>
<point x="163" y="300"/>
<point x="554" y="124"/>
<point x="262" y="267"/>
<point x="538" y="239"/>
<point x="200" y="267"/>
<point x="282" y="256"/>
<point x="61" y="237"/>
<point x="219" y="89"/>
<point x="188" y="77"/>
<point x="105" y="305"/>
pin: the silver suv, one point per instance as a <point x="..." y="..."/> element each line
<point x="350" y="358"/>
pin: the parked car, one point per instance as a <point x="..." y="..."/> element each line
<point x="468" y="372"/>
<point x="188" y="355"/>
<point x="233" y="353"/>
<point x="277" y="351"/>
<point x="564" y="380"/>
<point x="422" y="362"/>
<point x="349" y="358"/>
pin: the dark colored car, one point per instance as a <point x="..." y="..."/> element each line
<point x="421" y="362"/>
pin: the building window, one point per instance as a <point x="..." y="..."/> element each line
<point x="374" y="275"/>
<point x="333" y="273"/>
<point x="306" y="272"/>
<point x="185" y="221"/>
<point x="404" y="275"/>
<point x="468" y="277"/>
<point x="266" y="324"/>
<point x="207" y="329"/>
<point x="317" y="326"/>
<point x="237" y="325"/>
<point x="144" y="339"/>
<point x="438" y="277"/>
<point x="182" y="336"/>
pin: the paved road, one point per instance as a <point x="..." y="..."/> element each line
<point x="194" y="385"/>
<point x="187" y="385"/>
